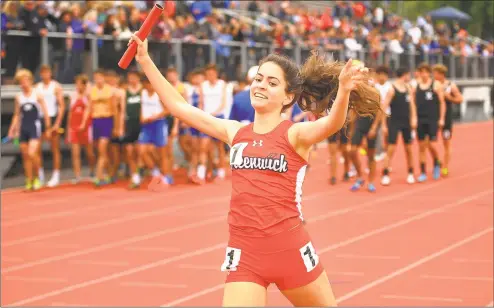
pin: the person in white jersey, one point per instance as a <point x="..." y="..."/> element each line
<point x="194" y="97"/>
<point x="52" y="94"/>
<point x="154" y="134"/>
<point x="383" y="85"/>
<point x="26" y="124"/>
<point x="214" y="95"/>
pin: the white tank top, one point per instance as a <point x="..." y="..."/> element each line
<point x="383" y="90"/>
<point x="31" y="99"/>
<point x="49" y="96"/>
<point x="150" y="105"/>
<point x="213" y="95"/>
<point x="26" y="104"/>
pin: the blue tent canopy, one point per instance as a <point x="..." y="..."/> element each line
<point x="449" y="12"/>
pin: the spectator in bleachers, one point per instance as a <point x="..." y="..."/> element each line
<point x="77" y="26"/>
<point x="200" y="10"/>
<point x="11" y="44"/>
<point x="34" y="23"/>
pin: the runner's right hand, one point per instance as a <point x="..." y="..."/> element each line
<point x="142" y="47"/>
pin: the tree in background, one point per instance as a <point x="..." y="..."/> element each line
<point x="482" y="13"/>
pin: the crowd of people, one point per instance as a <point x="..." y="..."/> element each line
<point x="347" y="26"/>
<point x="127" y="133"/>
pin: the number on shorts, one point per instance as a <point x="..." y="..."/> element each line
<point x="232" y="258"/>
<point x="311" y="259"/>
<point x="236" y="152"/>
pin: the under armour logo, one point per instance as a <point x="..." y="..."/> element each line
<point x="428" y="96"/>
<point x="257" y="143"/>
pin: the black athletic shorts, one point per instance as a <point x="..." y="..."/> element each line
<point x="30" y="131"/>
<point x="362" y="128"/>
<point x="43" y="126"/>
<point x="396" y="126"/>
<point x="170" y="121"/>
<point x="132" y="131"/>
<point x="341" y="136"/>
<point x="427" y="128"/>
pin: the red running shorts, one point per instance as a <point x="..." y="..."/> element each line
<point x="287" y="259"/>
<point x="83" y="137"/>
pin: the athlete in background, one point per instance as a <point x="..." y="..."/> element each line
<point x="153" y="137"/>
<point x="403" y="119"/>
<point x="103" y="112"/>
<point x="114" y="80"/>
<point x="383" y="86"/>
<point x="214" y="93"/>
<point x="79" y="132"/>
<point x="338" y="142"/>
<point x="194" y="94"/>
<point x="26" y="124"/>
<point x="431" y="111"/>
<point x="452" y="95"/>
<point x="131" y="128"/>
<point x="52" y="93"/>
<point x="365" y="127"/>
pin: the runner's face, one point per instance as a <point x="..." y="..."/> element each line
<point x="382" y="78"/>
<point x="406" y="77"/>
<point x="99" y="79"/>
<point x="45" y="75"/>
<point x="80" y="86"/>
<point x="25" y="83"/>
<point x="133" y="79"/>
<point x="267" y="91"/>
<point x="438" y="76"/>
<point x="424" y="75"/>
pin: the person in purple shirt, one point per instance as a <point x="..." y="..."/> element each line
<point x="78" y="45"/>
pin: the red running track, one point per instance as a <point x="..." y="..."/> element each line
<point x="413" y="245"/>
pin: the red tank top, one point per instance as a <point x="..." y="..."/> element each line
<point x="267" y="178"/>
<point x="78" y="108"/>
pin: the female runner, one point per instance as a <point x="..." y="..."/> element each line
<point x="268" y="242"/>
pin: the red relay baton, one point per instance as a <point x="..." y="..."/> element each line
<point x="143" y="33"/>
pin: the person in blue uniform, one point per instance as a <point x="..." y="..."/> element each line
<point x="26" y="124"/>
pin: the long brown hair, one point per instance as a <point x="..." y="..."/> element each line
<point x="315" y="86"/>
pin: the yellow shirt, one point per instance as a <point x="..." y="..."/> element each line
<point x="101" y="100"/>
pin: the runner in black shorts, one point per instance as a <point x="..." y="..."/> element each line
<point x="431" y="110"/>
<point x="338" y="141"/>
<point x="26" y="124"/>
<point x="365" y="127"/>
<point x="132" y="124"/>
<point x="452" y="95"/>
<point x="403" y="118"/>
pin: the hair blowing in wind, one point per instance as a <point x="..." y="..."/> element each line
<point x="320" y="86"/>
<point x="315" y="86"/>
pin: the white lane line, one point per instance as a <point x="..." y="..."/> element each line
<point x="456" y="278"/>
<point x="144" y="284"/>
<point x="414" y="265"/>
<point x="353" y="256"/>
<point x="423" y="298"/>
